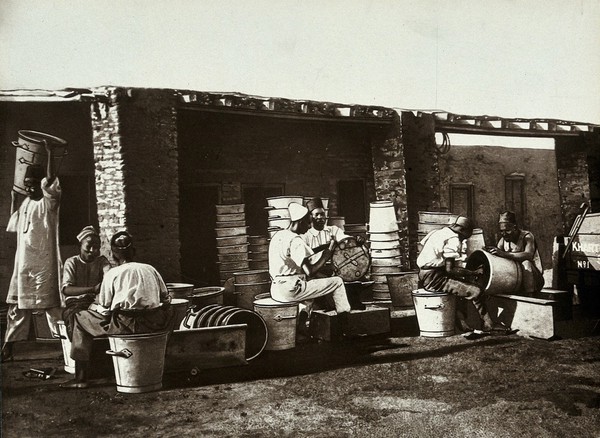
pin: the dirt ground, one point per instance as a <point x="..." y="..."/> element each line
<point x="383" y="386"/>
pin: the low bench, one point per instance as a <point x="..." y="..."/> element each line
<point x="563" y="310"/>
<point x="531" y="316"/>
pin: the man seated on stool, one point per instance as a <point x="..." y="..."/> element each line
<point x="289" y="267"/>
<point x="520" y="246"/>
<point x="438" y="270"/>
<point x="133" y="298"/>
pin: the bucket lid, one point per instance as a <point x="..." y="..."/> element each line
<point x="270" y="302"/>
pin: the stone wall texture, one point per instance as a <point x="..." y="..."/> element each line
<point x="135" y="151"/>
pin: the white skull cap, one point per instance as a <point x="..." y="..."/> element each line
<point x="297" y="211"/>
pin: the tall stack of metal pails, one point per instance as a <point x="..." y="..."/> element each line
<point x="258" y="252"/>
<point x="278" y="213"/>
<point x="248" y="285"/>
<point x="384" y="243"/>
<point x="232" y="240"/>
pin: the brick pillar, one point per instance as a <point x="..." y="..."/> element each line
<point x="573" y="177"/>
<point x="137" y="184"/>
<point x="390" y="183"/>
<point x="422" y="171"/>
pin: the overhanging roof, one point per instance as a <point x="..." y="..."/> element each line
<point x="327" y="111"/>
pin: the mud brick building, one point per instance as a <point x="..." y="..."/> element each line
<point x="156" y="161"/>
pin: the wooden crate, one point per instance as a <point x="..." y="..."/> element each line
<point x="205" y="348"/>
<point x="325" y="325"/>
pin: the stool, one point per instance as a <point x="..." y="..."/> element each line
<point x="281" y="322"/>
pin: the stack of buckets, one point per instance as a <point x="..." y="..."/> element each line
<point x="232" y="240"/>
<point x="278" y="213"/>
<point x="259" y="252"/>
<point x="384" y="244"/>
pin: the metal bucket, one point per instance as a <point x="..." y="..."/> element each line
<point x="258" y="240"/>
<point x="30" y="151"/>
<point x="233" y="240"/>
<point x="232" y="249"/>
<point x="203" y="296"/>
<point x="233" y="257"/>
<point x="382" y="217"/>
<point x="476" y="241"/>
<point x="257" y="276"/>
<point x="180" y="308"/>
<point x="435" y="312"/>
<point x="257" y="334"/>
<point x="180" y="290"/>
<point x="401" y="285"/>
<point x="281" y="322"/>
<point x="283" y="201"/>
<point x="231" y="217"/>
<point x="500" y="275"/>
<point x="231" y="231"/>
<point x="138" y="361"/>
<point x="246" y="293"/>
<point x="230" y="208"/>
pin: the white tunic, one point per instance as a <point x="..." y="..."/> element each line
<point x="35" y="282"/>
<point x="132" y="286"/>
<point x="438" y="245"/>
<point x="314" y="238"/>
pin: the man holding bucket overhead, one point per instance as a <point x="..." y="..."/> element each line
<point x="35" y="281"/>
<point x="438" y="270"/>
<point x="133" y="299"/>
<point x="520" y="246"/>
<point x="290" y="264"/>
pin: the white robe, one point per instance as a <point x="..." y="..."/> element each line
<point x="35" y="283"/>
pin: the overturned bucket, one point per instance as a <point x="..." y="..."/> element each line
<point x="435" y="312"/>
<point x="138" y="361"/>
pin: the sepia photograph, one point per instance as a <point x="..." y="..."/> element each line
<point x="359" y="218"/>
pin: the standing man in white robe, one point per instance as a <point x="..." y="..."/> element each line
<point x="35" y="282"/>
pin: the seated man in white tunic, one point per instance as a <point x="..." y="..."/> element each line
<point x="289" y="267"/>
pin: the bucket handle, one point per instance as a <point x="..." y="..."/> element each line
<point x="280" y="318"/>
<point x="123" y="353"/>
<point x="439" y="306"/>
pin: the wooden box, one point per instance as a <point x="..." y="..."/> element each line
<point x="325" y="325"/>
<point x="204" y="348"/>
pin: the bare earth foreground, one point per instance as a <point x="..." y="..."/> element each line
<point x="385" y="386"/>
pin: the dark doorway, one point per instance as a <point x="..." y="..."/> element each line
<point x="351" y="201"/>
<point x="197" y="234"/>
<point x="255" y="200"/>
<point x="461" y="200"/>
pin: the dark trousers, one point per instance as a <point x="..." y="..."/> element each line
<point x="88" y="324"/>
